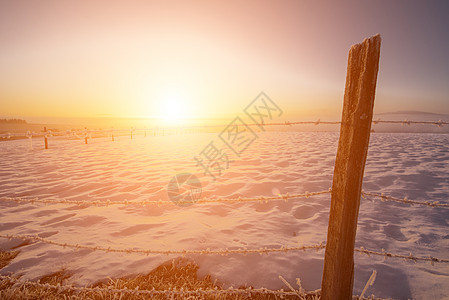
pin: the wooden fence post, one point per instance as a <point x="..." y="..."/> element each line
<point x="45" y="138"/>
<point x="361" y="78"/>
<point x="85" y="135"/>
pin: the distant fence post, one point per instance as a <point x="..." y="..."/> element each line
<point x="361" y="78"/>
<point x="45" y="138"/>
<point x="85" y="135"/>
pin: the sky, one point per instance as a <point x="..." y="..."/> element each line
<point x="209" y="59"/>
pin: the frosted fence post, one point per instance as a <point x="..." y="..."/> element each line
<point x="361" y="77"/>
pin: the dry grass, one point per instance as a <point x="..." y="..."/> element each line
<point x="6" y="257"/>
<point x="175" y="274"/>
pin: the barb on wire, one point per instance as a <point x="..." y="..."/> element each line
<point x="153" y="292"/>
<point x="262" y="199"/>
<point x="223" y="252"/>
<point x="384" y="197"/>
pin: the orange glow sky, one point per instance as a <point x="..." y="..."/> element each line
<point x="210" y="58"/>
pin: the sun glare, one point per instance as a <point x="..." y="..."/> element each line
<point x="173" y="109"/>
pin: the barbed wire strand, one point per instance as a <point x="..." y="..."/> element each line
<point x="223" y="252"/>
<point x="410" y="256"/>
<point x="262" y="199"/>
<point x="405" y="200"/>
<point x="438" y="123"/>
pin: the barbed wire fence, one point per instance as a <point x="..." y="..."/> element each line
<point x="260" y="199"/>
<point x="404" y="200"/>
<point x="223" y="252"/>
<point x="86" y="134"/>
<point x="338" y="272"/>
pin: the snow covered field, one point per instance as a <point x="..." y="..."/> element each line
<point x="412" y="165"/>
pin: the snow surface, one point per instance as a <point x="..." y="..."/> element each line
<point x="412" y="165"/>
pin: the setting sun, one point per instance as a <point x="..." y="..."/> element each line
<point x="173" y="109"/>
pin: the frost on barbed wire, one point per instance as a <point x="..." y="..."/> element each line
<point x="410" y="256"/>
<point x="223" y="252"/>
<point x="405" y="200"/>
<point x="260" y="199"/>
<point x="438" y="123"/>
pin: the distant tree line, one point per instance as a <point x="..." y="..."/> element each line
<point x="13" y="121"/>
